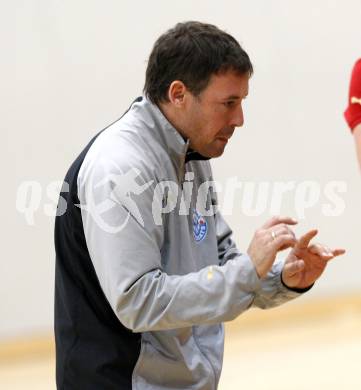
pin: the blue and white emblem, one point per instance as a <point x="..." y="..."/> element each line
<point x="200" y="226"/>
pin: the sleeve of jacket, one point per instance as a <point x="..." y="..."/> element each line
<point x="125" y="247"/>
<point x="272" y="291"/>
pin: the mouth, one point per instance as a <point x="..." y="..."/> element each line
<point x="226" y="135"/>
<point x="223" y="139"/>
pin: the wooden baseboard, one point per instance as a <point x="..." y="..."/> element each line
<point x="30" y="347"/>
<point x="325" y="308"/>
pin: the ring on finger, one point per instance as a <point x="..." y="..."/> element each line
<point x="273" y="234"/>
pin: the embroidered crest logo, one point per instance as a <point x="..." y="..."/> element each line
<point x="200" y="226"/>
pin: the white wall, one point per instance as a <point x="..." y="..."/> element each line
<point x="72" y="67"/>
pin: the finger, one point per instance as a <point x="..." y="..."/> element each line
<point x="338" y="252"/>
<point x="305" y="239"/>
<point x="284" y="241"/>
<point x="320" y="250"/>
<point x="294" y="267"/>
<point x="334" y="253"/>
<point x="278" y="219"/>
<point x="323" y="252"/>
<point x="280" y="229"/>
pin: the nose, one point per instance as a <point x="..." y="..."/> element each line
<point x="237" y="117"/>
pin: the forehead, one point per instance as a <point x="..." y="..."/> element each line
<point x="227" y="85"/>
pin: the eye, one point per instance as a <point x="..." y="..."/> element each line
<point x="229" y="103"/>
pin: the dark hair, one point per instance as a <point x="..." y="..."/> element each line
<point x="192" y="52"/>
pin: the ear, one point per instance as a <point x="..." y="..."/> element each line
<point x="176" y="93"/>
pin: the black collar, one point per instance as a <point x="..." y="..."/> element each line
<point x="193" y="155"/>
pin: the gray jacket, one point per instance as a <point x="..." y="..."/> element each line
<point x="163" y="254"/>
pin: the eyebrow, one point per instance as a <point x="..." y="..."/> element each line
<point x="235" y="97"/>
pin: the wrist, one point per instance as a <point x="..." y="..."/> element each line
<point x="296" y="289"/>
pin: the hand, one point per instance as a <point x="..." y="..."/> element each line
<point x="306" y="263"/>
<point x="272" y="237"/>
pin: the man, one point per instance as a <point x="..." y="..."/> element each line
<point x="146" y="269"/>
<point x="353" y="111"/>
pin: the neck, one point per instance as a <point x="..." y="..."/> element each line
<point x="173" y="118"/>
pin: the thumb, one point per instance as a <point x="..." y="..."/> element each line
<point x="293" y="267"/>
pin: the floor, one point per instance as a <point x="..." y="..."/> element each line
<point x="321" y="354"/>
<point x="298" y="354"/>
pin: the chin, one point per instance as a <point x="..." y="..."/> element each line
<point x="212" y="150"/>
<point x="214" y="153"/>
<point x="219" y="154"/>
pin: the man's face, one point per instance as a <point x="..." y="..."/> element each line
<point x="211" y="117"/>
